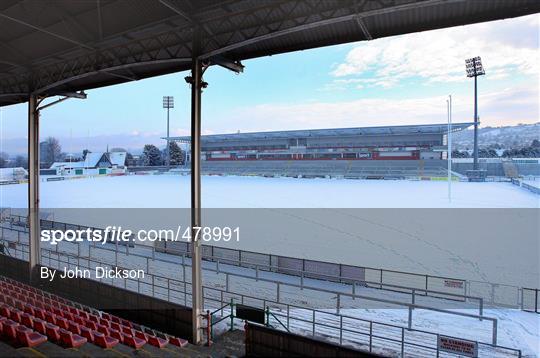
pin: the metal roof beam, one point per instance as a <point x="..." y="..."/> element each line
<point x="45" y="31"/>
<point x="99" y="20"/>
<point x="363" y="27"/>
<point x="119" y="75"/>
<point x="176" y="9"/>
<point x="125" y="66"/>
<point x="324" y="22"/>
<point x="234" y="66"/>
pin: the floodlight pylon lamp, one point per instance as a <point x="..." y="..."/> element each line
<point x="474" y="67"/>
<point x="168" y="102"/>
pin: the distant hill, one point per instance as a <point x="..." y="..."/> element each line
<point x="507" y="137"/>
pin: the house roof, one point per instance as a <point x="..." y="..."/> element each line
<point x="118" y="158"/>
<point x="91" y="160"/>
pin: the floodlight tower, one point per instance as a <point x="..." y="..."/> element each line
<point x="168" y="102"/>
<point x="474" y="69"/>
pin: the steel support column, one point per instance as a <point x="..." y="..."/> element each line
<point x="33" y="185"/>
<point x="196" y="276"/>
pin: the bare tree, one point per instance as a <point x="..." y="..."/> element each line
<point x="52" y="151"/>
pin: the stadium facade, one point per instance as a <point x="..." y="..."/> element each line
<point x="408" y="142"/>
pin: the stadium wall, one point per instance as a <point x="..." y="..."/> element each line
<point x="268" y="342"/>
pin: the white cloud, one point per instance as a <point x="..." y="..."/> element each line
<point x="505" y="46"/>
<point x="507" y="107"/>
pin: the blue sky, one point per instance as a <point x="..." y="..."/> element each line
<point x="398" y="80"/>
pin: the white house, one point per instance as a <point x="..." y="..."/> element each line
<point x="93" y="163"/>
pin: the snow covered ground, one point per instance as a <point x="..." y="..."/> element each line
<point x="503" y="249"/>
<point x="171" y="191"/>
<point x="439" y="242"/>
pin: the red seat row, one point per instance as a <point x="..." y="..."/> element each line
<point x="75" y="326"/>
<point x="20" y="334"/>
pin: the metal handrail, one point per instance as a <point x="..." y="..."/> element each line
<point x="396" y="288"/>
<point x="432" y="293"/>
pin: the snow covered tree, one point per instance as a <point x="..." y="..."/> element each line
<point x="177" y="156"/>
<point x="3" y="159"/>
<point x="130" y="161"/>
<point x="21" y="162"/>
<point x="151" y="155"/>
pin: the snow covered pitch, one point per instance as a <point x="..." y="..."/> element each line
<point x="165" y="191"/>
<point x="496" y="245"/>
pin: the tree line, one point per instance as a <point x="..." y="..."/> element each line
<point x="51" y="152"/>
<point x="530" y="151"/>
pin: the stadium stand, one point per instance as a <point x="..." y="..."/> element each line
<point x="354" y="169"/>
<point x="54" y="326"/>
<point x="387" y="152"/>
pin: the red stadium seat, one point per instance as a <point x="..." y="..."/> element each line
<point x="62" y="322"/>
<point x="87" y="333"/>
<point x="74" y="327"/>
<point x="5" y="311"/>
<point x="105" y="322"/>
<point x="15" y="315"/>
<point x="133" y="342"/>
<point x="93" y="318"/>
<point x="53" y="332"/>
<point x="27" y="320"/>
<point x="103" y="329"/>
<point x="104" y="341"/>
<point x="178" y="341"/>
<point x="40" y="326"/>
<point x="141" y="335"/>
<point x="116" y="334"/>
<point x="157" y="342"/>
<point x="30" y="310"/>
<point x="28" y="338"/>
<point x="127" y="330"/>
<point x="116" y="326"/>
<point x="50" y="317"/>
<point x="71" y="340"/>
<point x="9" y="329"/>
<point x="91" y="325"/>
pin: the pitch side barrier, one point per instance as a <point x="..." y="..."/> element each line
<point x="414" y="284"/>
<point x="333" y="326"/>
<point x="220" y="265"/>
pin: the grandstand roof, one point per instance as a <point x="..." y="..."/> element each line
<point x="53" y="47"/>
<point x="333" y="132"/>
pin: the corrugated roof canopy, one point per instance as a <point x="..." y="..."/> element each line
<point x="332" y="132"/>
<point x="51" y="47"/>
